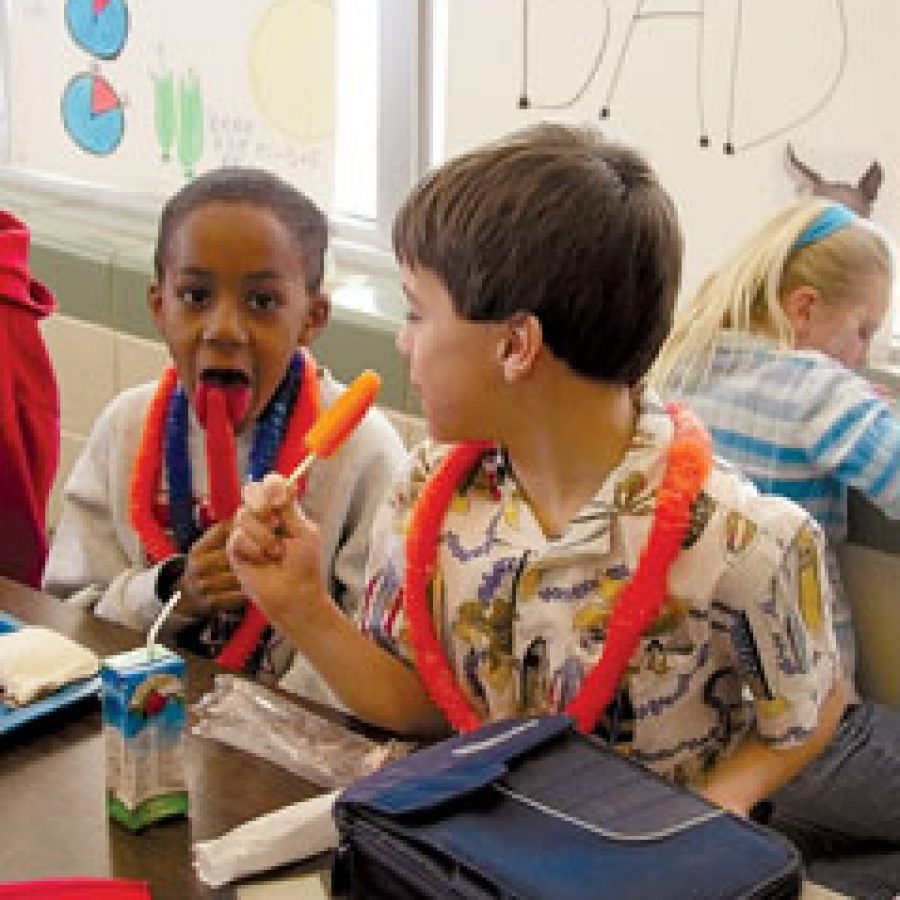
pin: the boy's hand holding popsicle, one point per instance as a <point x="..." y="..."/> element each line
<point x="275" y="551"/>
<point x="273" y="547"/>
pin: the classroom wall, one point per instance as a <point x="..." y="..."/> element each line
<point x="792" y="57"/>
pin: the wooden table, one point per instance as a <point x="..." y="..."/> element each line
<point x="52" y="811"/>
<point x="52" y="781"/>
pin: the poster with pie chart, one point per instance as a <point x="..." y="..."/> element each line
<point x="141" y="95"/>
<point x="92" y="114"/>
<point x="99" y="27"/>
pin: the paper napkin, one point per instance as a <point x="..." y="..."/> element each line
<point x="287" y="835"/>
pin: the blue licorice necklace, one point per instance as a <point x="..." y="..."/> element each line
<point x="268" y="434"/>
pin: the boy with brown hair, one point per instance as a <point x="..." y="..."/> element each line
<point x="578" y="549"/>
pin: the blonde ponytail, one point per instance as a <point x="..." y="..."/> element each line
<point x="743" y="295"/>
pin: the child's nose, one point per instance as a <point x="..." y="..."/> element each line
<point x="225" y="323"/>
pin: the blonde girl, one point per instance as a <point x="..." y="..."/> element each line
<point x="815" y="277"/>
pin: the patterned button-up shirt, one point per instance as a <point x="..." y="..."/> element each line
<point x="744" y="635"/>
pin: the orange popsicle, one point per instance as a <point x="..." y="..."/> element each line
<point x="333" y="427"/>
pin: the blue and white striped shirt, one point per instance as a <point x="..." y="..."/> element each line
<point x="801" y="425"/>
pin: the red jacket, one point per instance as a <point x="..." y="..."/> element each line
<point x="29" y="410"/>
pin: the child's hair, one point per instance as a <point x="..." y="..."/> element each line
<point x="561" y="223"/>
<point x="258" y="188"/>
<point x="791" y="250"/>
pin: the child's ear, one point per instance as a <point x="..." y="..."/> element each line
<point x="798" y="308"/>
<point x="155" y="301"/>
<point x="520" y="345"/>
<point x="317" y="317"/>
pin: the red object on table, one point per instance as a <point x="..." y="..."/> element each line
<point x="76" y="888"/>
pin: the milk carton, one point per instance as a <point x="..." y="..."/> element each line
<point x="143" y="706"/>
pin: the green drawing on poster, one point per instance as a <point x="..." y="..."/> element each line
<point x="164" y="112"/>
<point x="190" y="124"/>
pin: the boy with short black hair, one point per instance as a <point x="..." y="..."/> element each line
<point x="238" y="296"/>
<point x="578" y="549"/>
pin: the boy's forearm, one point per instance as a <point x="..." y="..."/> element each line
<point x="374" y="684"/>
<point x="755" y="770"/>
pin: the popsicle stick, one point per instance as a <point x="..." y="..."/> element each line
<point x="301" y="469"/>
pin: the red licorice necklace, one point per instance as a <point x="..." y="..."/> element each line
<point x="688" y="463"/>
<point x="224" y="482"/>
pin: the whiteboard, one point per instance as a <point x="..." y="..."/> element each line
<point x="821" y="74"/>
<point x="141" y="95"/>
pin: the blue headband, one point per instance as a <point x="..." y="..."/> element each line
<point x="831" y="219"/>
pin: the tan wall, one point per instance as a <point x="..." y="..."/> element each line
<point x="873" y="582"/>
<point x="93" y="364"/>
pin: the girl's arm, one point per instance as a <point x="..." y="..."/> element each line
<point x="856" y="439"/>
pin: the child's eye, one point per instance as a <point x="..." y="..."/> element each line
<point x="194" y="295"/>
<point x="412" y="316"/>
<point x="262" y="301"/>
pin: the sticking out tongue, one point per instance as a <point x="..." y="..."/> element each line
<point x="235" y="391"/>
<point x="221" y="403"/>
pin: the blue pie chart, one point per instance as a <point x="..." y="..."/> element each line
<point x="99" y="27"/>
<point x="92" y="114"/>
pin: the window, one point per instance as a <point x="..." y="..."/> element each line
<point x="382" y="118"/>
<point x="120" y="100"/>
